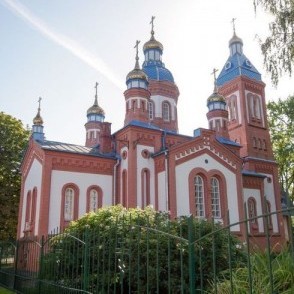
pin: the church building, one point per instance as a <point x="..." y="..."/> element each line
<point x="222" y="169"/>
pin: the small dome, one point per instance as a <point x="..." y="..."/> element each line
<point x="95" y="109"/>
<point x="216" y="97"/>
<point x="38" y="119"/>
<point x="235" y="39"/>
<point x="152" y="44"/>
<point x="137" y="73"/>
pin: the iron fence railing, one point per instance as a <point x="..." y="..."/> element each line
<point x="186" y="255"/>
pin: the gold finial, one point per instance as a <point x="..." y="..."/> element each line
<point x="38" y="119"/>
<point x="137" y="54"/>
<point x="233" y="22"/>
<point x="214" y="76"/>
<point x="152" y="25"/>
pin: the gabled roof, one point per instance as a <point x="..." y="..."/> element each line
<point x="227" y="141"/>
<point x="72" y="148"/>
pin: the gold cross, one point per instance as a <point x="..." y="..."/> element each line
<point x="152" y="23"/>
<point x="233" y="22"/>
<point x="96" y="87"/>
<point x="214" y="73"/>
<point x="39" y="100"/>
<point x="136" y="46"/>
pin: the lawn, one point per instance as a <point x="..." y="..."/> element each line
<point x="5" y="291"/>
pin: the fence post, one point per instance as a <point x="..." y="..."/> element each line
<point x="40" y="275"/>
<point x="86" y="261"/>
<point x="191" y="251"/>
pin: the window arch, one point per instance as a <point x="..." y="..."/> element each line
<point x="166" y="111"/>
<point x="30" y="216"/>
<point x="199" y="196"/>
<point x="124" y="188"/>
<point x="252" y="212"/>
<point x="145" y="190"/>
<point x="69" y="204"/>
<point x="215" y="198"/>
<point x="151" y="110"/>
<point x="94" y="198"/>
<point x="28" y="211"/>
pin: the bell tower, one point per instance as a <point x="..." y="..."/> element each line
<point x="164" y="91"/>
<point x="241" y="84"/>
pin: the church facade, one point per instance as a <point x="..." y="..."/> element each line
<point x="224" y="168"/>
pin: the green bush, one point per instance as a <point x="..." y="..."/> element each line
<point x="282" y="266"/>
<point x="137" y="251"/>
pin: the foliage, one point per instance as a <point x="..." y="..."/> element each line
<point x="278" y="47"/>
<point x="13" y="139"/>
<point x="282" y="276"/>
<point x="137" y="251"/>
<point x="281" y="126"/>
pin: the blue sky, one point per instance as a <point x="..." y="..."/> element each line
<point x="59" y="49"/>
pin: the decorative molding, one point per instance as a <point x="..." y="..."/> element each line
<point x="205" y="144"/>
<point x="89" y="166"/>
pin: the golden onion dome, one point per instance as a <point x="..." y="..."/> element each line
<point x="38" y="119"/>
<point x="137" y="73"/>
<point x="152" y="44"/>
<point x="95" y="109"/>
<point x="216" y="97"/>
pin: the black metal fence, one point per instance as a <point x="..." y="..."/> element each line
<point x="151" y="256"/>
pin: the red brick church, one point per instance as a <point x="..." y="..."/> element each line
<point x="148" y="162"/>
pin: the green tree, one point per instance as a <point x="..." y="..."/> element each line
<point x="278" y="47"/>
<point x="281" y="125"/>
<point x="13" y="139"/>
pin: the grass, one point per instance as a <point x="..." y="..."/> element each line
<point x="5" y="291"/>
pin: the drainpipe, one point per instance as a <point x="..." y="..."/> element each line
<point x="166" y="179"/>
<point x="114" y="180"/>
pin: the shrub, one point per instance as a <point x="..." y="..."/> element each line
<point x="137" y="251"/>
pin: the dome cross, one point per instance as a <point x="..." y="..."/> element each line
<point x="214" y="76"/>
<point x="137" y="66"/>
<point x="152" y="25"/>
<point x="234" y="26"/>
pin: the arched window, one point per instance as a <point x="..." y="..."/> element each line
<point x="165" y="111"/>
<point x="94" y="198"/>
<point x="151" y="110"/>
<point x="28" y="211"/>
<point x="199" y="196"/>
<point x="215" y="198"/>
<point x="256" y="104"/>
<point x="124" y="188"/>
<point x="145" y="187"/>
<point x="69" y="204"/>
<point x="252" y="211"/>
